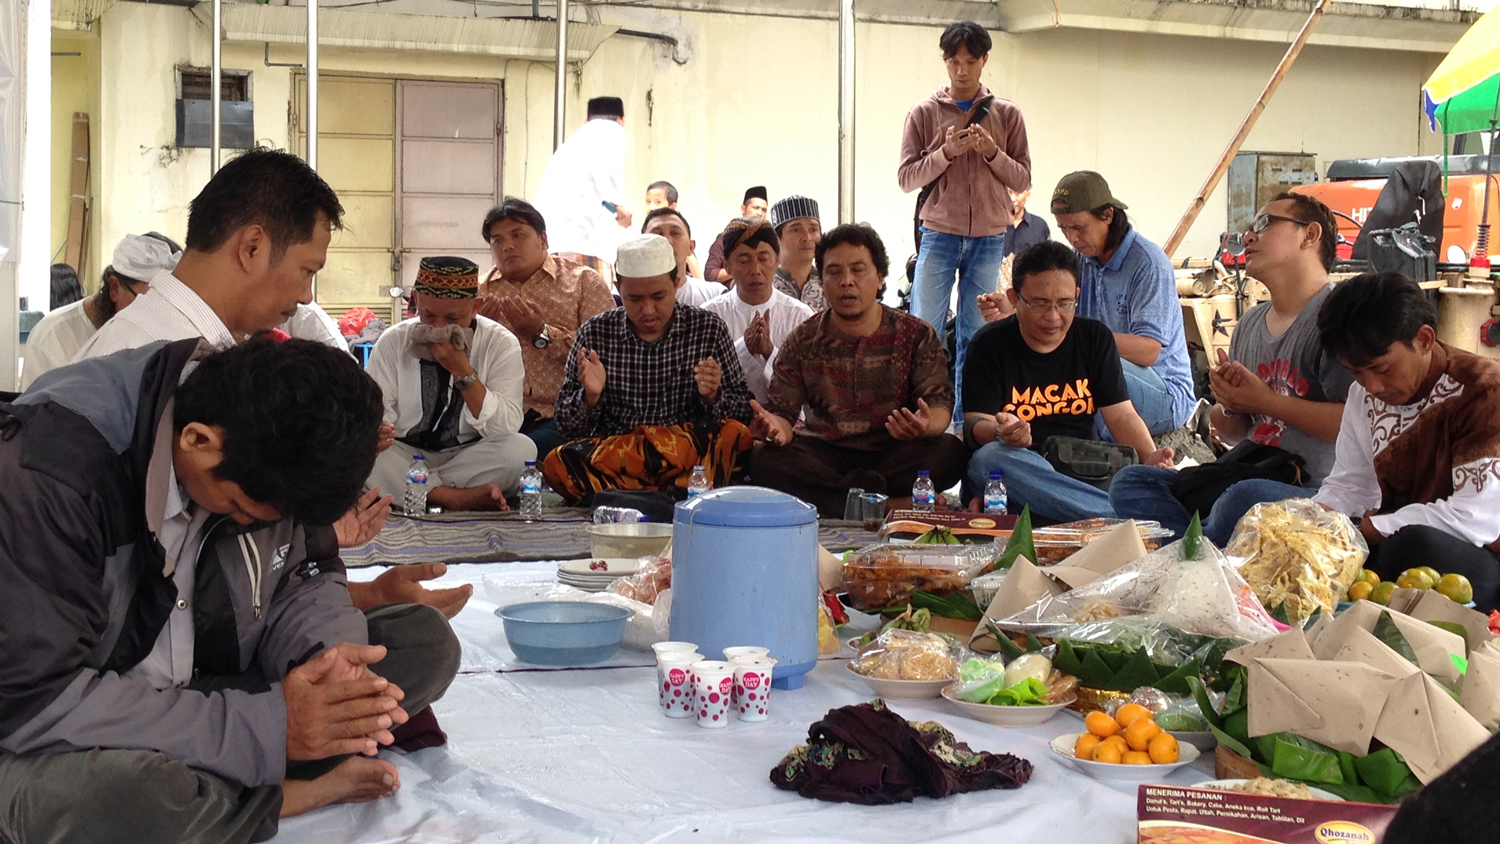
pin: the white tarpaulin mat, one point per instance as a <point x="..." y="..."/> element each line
<point x="585" y="756"/>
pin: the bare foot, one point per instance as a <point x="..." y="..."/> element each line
<point x="358" y="779"/>
<point x="482" y="497"/>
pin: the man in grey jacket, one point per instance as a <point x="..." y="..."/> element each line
<point x="182" y="661"/>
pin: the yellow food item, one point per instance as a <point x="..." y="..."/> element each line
<point x="927" y="664"/>
<point x="1456" y="588"/>
<point x="1369" y="577"/>
<point x="1298" y="554"/>
<point x="1118" y="742"/>
<point x="1130" y="713"/>
<point x="1136" y="757"/>
<point x="1100" y="724"/>
<point x="1432" y="573"/>
<point x="1106" y="752"/>
<point x="1163" y="749"/>
<point x="1140" y="733"/>
<point x="1382" y="594"/>
<point x="1084" y="747"/>
<point x="1360" y="590"/>
<point x="1275" y="788"/>
<point x="1414" y="579"/>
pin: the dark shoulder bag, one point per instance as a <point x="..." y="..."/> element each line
<point x="1091" y="461"/>
<point x="1198" y="487"/>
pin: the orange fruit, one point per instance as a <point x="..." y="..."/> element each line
<point x="1130" y="713"/>
<point x="1163" y="749"/>
<point x="1118" y="742"/>
<point x="1101" y="724"/>
<point x="1084" y="747"/>
<point x="1136" y="757"/>
<point x="1140" y="733"/>
<point x="1106" y="752"/>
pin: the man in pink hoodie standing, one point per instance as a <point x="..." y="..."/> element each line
<point x="966" y="150"/>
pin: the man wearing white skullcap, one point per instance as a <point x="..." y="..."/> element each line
<point x="650" y="390"/>
<point x="58" y="337"/>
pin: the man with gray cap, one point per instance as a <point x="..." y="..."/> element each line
<point x="453" y="383"/>
<point x="799" y="228"/>
<point x="58" y="337"/>
<point x="582" y="194"/>
<point x="1128" y="284"/>
<point x="650" y="389"/>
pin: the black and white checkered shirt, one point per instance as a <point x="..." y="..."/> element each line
<point x="651" y="383"/>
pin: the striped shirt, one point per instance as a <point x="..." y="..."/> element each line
<point x="170" y="310"/>
<point x="651" y="383"/>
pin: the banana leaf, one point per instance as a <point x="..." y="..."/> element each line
<point x="1206" y="706"/>
<point x="1066" y="661"/>
<point x="1351" y="770"/>
<point x="1176" y="682"/>
<point x="1020" y="542"/>
<point x="1295" y="757"/>
<point x="958" y="605"/>
<point x="1238" y="725"/>
<point x="1192" y="541"/>
<point x="1387" y="632"/>
<point x="1384" y="770"/>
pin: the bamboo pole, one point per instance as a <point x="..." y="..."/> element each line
<point x="1244" y="132"/>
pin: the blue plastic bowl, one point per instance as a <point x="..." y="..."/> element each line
<point x="564" y="632"/>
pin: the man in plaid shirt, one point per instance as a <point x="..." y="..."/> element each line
<point x="650" y="390"/>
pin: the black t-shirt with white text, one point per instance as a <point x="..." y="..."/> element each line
<point x="1058" y="392"/>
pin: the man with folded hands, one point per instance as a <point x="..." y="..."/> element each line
<point x="183" y="661"/>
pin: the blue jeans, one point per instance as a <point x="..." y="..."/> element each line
<point x="1151" y="399"/>
<point x="542" y="431"/>
<point x="1145" y="492"/>
<point x="976" y="261"/>
<point x="1031" y="481"/>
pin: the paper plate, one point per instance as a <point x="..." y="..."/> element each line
<point x="1062" y="747"/>
<point x="1228" y="785"/>
<point x="902" y="689"/>
<point x="1003" y="716"/>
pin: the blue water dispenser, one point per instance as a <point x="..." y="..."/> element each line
<point x="745" y="572"/>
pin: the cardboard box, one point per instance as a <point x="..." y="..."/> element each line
<point x="909" y="524"/>
<point x="1171" y="815"/>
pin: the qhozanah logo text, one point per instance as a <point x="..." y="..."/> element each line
<point x="1343" y="832"/>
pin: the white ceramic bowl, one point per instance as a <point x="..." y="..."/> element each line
<point x="1062" y="746"/>
<point x="1003" y="716"/>
<point x="902" y="689"/>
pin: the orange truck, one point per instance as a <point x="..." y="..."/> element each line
<point x="1353" y="185"/>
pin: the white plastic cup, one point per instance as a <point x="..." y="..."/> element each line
<point x="713" y="684"/>
<point x="674" y="683"/>
<point x="752" y="687"/>
<point x="674" y="647"/>
<point x="730" y="654"/>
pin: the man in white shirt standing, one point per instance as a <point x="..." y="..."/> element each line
<point x="58" y="337"/>
<point x="582" y="194"/>
<point x="670" y="224"/>
<point x="758" y="315"/>
<point x="453" y="383"/>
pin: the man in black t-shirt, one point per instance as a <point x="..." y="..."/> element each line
<point x="1043" y="373"/>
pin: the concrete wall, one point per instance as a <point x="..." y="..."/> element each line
<point x="756" y="102"/>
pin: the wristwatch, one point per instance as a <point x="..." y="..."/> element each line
<point x="465" y="382"/>
<point x="542" y="340"/>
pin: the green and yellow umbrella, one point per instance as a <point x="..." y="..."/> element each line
<point x="1463" y="94"/>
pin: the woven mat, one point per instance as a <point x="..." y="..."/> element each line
<point x="506" y="538"/>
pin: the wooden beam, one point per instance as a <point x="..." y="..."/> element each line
<point x="78" y="204"/>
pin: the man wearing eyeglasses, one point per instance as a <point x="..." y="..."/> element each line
<point x="1278" y="386"/>
<point x="1043" y="373"/>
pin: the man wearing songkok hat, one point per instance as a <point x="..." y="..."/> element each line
<point x="652" y="389"/>
<point x="799" y="228"/>
<point x="670" y="224"/>
<point x="757" y="315"/>
<point x="753" y="205"/>
<point x="58" y="337"/>
<point x="871" y="384"/>
<point x="542" y="299"/>
<point x="453" y="383"/>
<point x="582" y="193"/>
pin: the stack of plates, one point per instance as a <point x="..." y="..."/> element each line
<point x="595" y="574"/>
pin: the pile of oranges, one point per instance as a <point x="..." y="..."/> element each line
<point x="1131" y="737"/>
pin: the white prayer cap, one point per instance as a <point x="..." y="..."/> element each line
<point x="645" y="257"/>
<point x="141" y="256"/>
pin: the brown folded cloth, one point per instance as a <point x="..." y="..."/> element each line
<point x="420" y="730"/>
<point x="868" y="754"/>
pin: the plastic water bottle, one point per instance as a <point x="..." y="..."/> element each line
<point x="531" y="493"/>
<point x="618" y="516"/>
<point x="415" y="501"/>
<point x="698" y="482"/>
<point x="923" y="495"/>
<point x="995" y="499"/>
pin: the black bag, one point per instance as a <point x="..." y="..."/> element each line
<point x="658" y="505"/>
<point x="1091" y="461"/>
<point x="1198" y="487"/>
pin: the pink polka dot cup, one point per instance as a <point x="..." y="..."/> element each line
<point x="674" y="683"/>
<point x="752" y="687"/>
<point x="713" y="683"/>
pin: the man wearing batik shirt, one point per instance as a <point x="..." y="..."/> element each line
<point x="1418" y="454"/>
<point x="651" y="389"/>
<point x="799" y="228"/>
<point x="452" y="383"/>
<point x="542" y="299"/>
<point x="872" y="384"/>
<point x="759" y="317"/>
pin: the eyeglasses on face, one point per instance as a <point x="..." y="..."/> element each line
<point x="1264" y="222"/>
<point x="1062" y="306"/>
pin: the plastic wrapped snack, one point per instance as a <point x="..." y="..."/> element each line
<point x="1059" y="542"/>
<point x="908" y="655"/>
<point x="1298" y="554"/>
<point x="880" y="576"/>
<point x="651" y="579"/>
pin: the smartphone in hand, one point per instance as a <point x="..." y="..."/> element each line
<point x="610" y="206"/>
